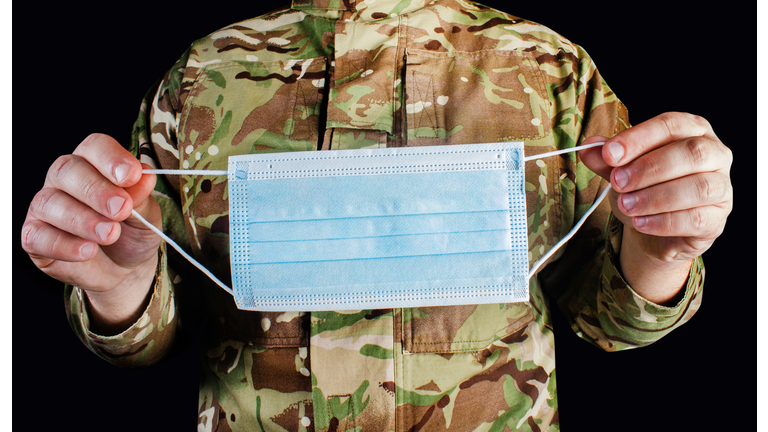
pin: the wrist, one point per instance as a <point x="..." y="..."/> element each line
<point x="658" y="281"/>
<point x="112" y="312"/>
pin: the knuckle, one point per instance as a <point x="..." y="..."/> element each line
<point x="57" y="244"/>
<point x="89" y="141"/>
<point x="697" y="220"/>
<point x="680" y="125"/>
<point x="727" y="155"/>
<point x="700" y="223"/>
<point x="721" y="190"/>
<point x="28" y="234"/>
<point x="711" y="190"/>
<point x="668" y="223"/>
<point x="704" y="189"/>
<point x="701" y="121"/>
<point x="670" y="123"/>
<point x="60" y="167"/>
<point x="90" y="189"/>
<point x="698" y="122"/>
<point x="649" y="167"/>
<point x="697" y="151"/>
<point x="42" y="201"/>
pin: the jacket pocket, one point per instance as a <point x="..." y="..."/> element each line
<point x="469" y="328"/>
<point x="249" y="107"/>
<point x="464" y="98"/>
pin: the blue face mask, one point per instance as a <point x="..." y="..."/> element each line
<point x="378" y="228"/>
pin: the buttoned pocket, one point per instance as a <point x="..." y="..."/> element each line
<point x="250" y="107"/>
<point x="463" y="98"/>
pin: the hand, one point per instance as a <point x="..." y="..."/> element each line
<point x="79" y="227"/>
<point x="671" y="188"/>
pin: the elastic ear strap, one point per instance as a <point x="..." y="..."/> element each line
<point x="181" y="251"/>
<point x="557" y="152"/>
<point x="224" y="172"/>
<point x="570" y="234"/>
<point x="185" y="172"/>
<point x="578" y="225"/>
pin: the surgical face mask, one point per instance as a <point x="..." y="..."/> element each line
<point x="378" y="228"/>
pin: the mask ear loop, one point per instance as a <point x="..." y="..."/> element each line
<point x="581" y="221"/>
<point x="570" y="234"/>
<point x="181" y="251"/>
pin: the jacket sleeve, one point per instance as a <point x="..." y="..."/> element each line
<point x="171" y="319"/>
<point x="585" y="280"/>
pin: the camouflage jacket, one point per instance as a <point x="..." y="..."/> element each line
<point x="327" y="74"/>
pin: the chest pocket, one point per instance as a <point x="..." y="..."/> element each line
<point x="241" y="107"/>
<point x="481" y="97"/>
<point x="250" y="107"/>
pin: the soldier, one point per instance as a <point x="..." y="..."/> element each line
<point x="390" y="76"/>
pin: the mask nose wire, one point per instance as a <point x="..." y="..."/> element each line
<point x="533" y="270"/>
<point x="581" y="221"/>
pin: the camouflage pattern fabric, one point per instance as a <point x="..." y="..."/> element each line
<point x="328" y="74"/>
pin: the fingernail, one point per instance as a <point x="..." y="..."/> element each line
<point x="87" y="250"/>
<point x="616" y="151"/>
<point x="121" y="172"/>
<point x="621" y="177"/>
<point x="103" y="229"/>
<point x="628" y="201"/>
<point x="640" y="221"/>
<point x="115" y="204"/>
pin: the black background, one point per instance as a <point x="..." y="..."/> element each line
<point x="88" y="72"/>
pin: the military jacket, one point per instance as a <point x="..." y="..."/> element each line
<point x="327" y="74"/>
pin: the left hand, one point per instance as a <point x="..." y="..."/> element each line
<point x="671" y="184"/>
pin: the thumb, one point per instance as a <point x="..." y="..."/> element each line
<point x="140" y="191"/>
<point x="593" y="158"/>
<point x="143" y="202"/>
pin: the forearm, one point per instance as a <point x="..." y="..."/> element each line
<point x="657" y="281"/>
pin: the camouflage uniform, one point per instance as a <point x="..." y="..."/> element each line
<point x="327" y="74"/>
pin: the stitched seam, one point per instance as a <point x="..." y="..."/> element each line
<point x="423" y="94"/>
<point x="349" y="408"/>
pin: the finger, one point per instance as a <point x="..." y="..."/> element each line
<point x="679" y="159"/>
<point x="688" y="192"/>
<point x="593" y="157"/>
<point x="654" y="133"/>
<point x="701" y="223"/>
<point x="141" y="190"/>
<point x="67" y="258"/>
<point x="46" y="244"/>
<point x="145" y="205"/>
<point x="110" y="159"/>
<point x="82" y="181"/>
<point x="60" y="210"/>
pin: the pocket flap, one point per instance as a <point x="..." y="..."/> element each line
<point x="467" y="328"/>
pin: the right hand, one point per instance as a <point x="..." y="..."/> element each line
<point x="79" y="227"/>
